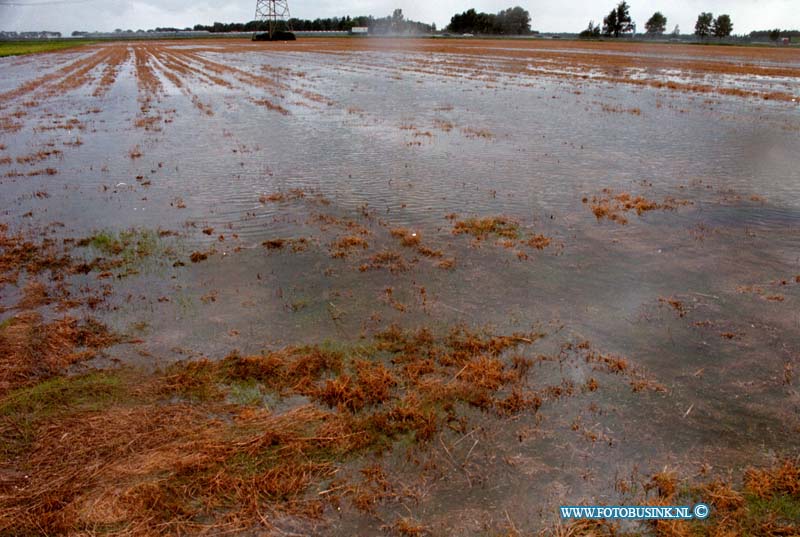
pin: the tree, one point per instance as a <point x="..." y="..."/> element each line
<point x="657" y="24"/>
<point x="397" y="20"/>
<point x="513" y="21"/>
<point x="591" y="31"/>
<point x="619" y="21"/>
<point x="775" y="34"/>
<point x="471" y="22"/>
<point x="677" y="31"/>
<point x="610" y="23"/>
<point x="722" y="27"/>
<point x="624" y="18"/>
<point x="702" y="27"/>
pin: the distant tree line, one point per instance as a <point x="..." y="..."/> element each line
<point x="394" y="23"/>
<point x="619" y="23"/>
<point x="511" y="21"/>
<point x="39" y="34"/>
<point x="774" y="35"/>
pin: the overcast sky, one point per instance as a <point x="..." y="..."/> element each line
<point x="548" y="15"/>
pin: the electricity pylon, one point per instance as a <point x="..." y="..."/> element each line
<point x="272" y="11"/>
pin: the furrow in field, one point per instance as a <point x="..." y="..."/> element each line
<point x="176" y="61"/>
<point x="79" y="78"/>
<point x="594" y="71"/>
<point x="180" y="78"/>
<point x="119" y="56"/>
<point x="52" y="82"/>
<point x="275" y="88"/>
<point x="149" y="84"/>
<point x="150" y="88"/>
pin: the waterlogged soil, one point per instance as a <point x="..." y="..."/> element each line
<point x="643" y="200"/>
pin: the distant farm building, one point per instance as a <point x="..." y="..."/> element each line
<point x="359" y="30"/>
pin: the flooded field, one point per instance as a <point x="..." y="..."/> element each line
<point x="530" y="274"/>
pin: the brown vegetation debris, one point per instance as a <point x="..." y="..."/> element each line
<point x="481" y="228"/>
<point x="386" y="259"/>
<point x="613" y="206"/>
<point x="412" y="239"/>
<point x="766" y="505"/>
<point x="274" y="244"/>
<point x="407" y="237"/>
<point x="194" y="449"/>
<point x="447" y="264"/>
<point x="135" y="152"/>
<point x="32" y="349"/>
<point x="540" y="242"/>
<point x="676" y="304"/>
<point x="343" y="246"/>
<point x="197" y="257"/>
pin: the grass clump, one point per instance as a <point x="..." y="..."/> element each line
<point x="407" y="237"/>
<point x="130" y="244"/>
<point x="122" y="250"/>
<point x="32" y="349"/>
<point x="412" y="239"/>
<point x="387" y="259"/>
<point x="24" y="409"/>
<point x="507" y="233"/>
<point x="5" y="323"/>
<point x="481" y="228"/>
<point x="766" y="505"/>
<point x="614" y="207"/>
<point x="18" y="253"/>
<point x="344" y="246"/>
<point x="540" y="242"/>
<point x="18" y="48"/>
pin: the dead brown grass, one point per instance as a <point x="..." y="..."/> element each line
<point x="386" y="259"/>
<point x="413" y="239"/>
<point x="481" y="228"/>
<point x="540" y="242"/>
<point x="506" y="231"/>
<point x="274" y="244"/>
<point x="582" y="528"/>
<point x="344" y="246"/>
<point x="614" y="206"/>
<point x="781" y="479"/>
<point x="735" y="512"/>
<point x="766" y="505"/>
<point x="407" y="237"/>
<point x="141" y="469"/>
<point x="49" y="333"/>
<point x="198" y="257"/>
<point x="173" y="454"/>
<point x="32" y="349"/>
<point x="446" y="264"/>
<point x="676" y="304"/>
<point x="17" y="254"/>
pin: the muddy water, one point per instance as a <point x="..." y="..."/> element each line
<point x="380" y="139"/>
